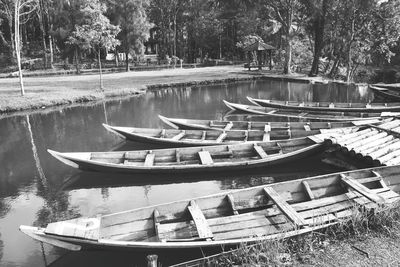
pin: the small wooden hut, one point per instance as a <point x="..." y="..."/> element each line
<point x="261" y="48"/>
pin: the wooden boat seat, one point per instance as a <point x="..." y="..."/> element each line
<point x="179" y="136"/>
<point x="260" y="151"/>
<point x="361" y="189"/>
<point x="205" y="158"/>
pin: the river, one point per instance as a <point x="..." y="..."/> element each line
<point x="36" y="189"/>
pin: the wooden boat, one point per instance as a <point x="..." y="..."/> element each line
<point x="198" y="159"/>
<point x="326" y="106"/>
<point x="385" y="93"/>
<point x="182" y="138"/>
<point x="190" y="124"/>
<point x="392" y="86"/>
<point x="322" y="116"/>
<point x="248" y="215"/>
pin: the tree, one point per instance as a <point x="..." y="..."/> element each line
<point x="131" y="16"/>
<point x="285" y="12"/>
<point x="317" y="12"/>
<point x="22" y="11"/>
<point x="96" y="32"/>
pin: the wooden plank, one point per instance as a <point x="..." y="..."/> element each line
<point x="308" y="190"/>
<point x="221" y="137"/>
<point x="285" y="207"/>
<point x="156" y="221"/>
<point x="228" y="126"/>
<point x="149" y="160"/>
<point x="249" y="126"/>
<point x="203" y="136"/>
<point x="162" y="133"/>
<point x="246" y="136"/>
<point x="203" y="229"/>
<point x="231" y="202"/>
<point x="178" y="155"/>
<point x="205" y="158"/>
<point x="178" y="136"/>
<point x="381" y="181"/>
<point x="266" y="136"/>
<point x="260" y="151"/>
<point x="362" y="189"/>
<point x="303" y="114"/>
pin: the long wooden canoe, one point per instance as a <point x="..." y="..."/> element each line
<point x="385" y="93"/>
<point x="191" y="124"/>
<point x="326" y="106"/>
<point x="242" y="156"/>
<point x="392" y="86"/>
<point x="264" y="212"/>
<point x="322" y="116"/>
<point x="182" y="138"/>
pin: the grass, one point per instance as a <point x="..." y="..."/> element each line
<point x="44" y="92"/>
<point x="361" y="240"/>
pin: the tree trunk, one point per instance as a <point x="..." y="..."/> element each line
<point x="76" y="57"/>
<point x="319" y="26"/>
<point x="127" y="60"/>
<point x="51" y="52"/>
<point x="42" y="29"/>
<point x="349" y="51"/>
<point x="288" y="56"/>
<point x="101" y="77"/>
<point x="12" y="41"/>
<point x="18" y="45"/>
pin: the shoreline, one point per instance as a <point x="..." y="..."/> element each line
<point x="44" y="93"/>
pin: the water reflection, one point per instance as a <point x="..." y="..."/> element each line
<point x="37" y="189"/>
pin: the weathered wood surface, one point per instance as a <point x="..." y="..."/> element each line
<point x="273" y="211"/>
<point x="326" y="106"/>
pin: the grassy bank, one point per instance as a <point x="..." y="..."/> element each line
<point x="366" y="239"/>
<point x="44" y="92"/>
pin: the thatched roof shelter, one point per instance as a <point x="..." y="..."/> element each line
<point x="260" y="47"/>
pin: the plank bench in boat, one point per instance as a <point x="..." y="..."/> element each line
<point x="230" y="218"/>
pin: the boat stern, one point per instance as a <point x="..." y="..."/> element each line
<point x="39" y="234"/>
<point x="69" y="158"/>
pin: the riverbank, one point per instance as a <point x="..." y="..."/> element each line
<point x="46" y="92"/>
<point x="367" y="239"/>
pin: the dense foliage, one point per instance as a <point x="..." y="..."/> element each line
<point x="334" y="37"/>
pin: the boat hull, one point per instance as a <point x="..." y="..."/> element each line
<point x="325" y="106"/>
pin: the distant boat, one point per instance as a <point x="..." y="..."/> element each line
<point x="322" y="116"/>
<point x="191" y="124"/>
<point x="241" y="156"/>
<point x="393" y="86"/>
<point x="182" y="138"/>
<point x="326" y="106"/>
<point x="386" y="93"/>
<point x="266" y="212"/>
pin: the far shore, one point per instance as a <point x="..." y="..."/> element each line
<point x="46" y="92"/>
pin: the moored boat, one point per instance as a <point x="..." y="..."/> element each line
<point x="192" y="124"/>
<point x="322" y="116"/>
<point x="232" y="157"/>
<point x="182" y="138"/>
<point x="386" y="93"/>
<point x="248" y="215"/>
<point x="393" y="86"/>
<point x="326" y="106"/>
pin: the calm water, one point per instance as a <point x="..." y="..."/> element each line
<point x="36" y="189"/>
